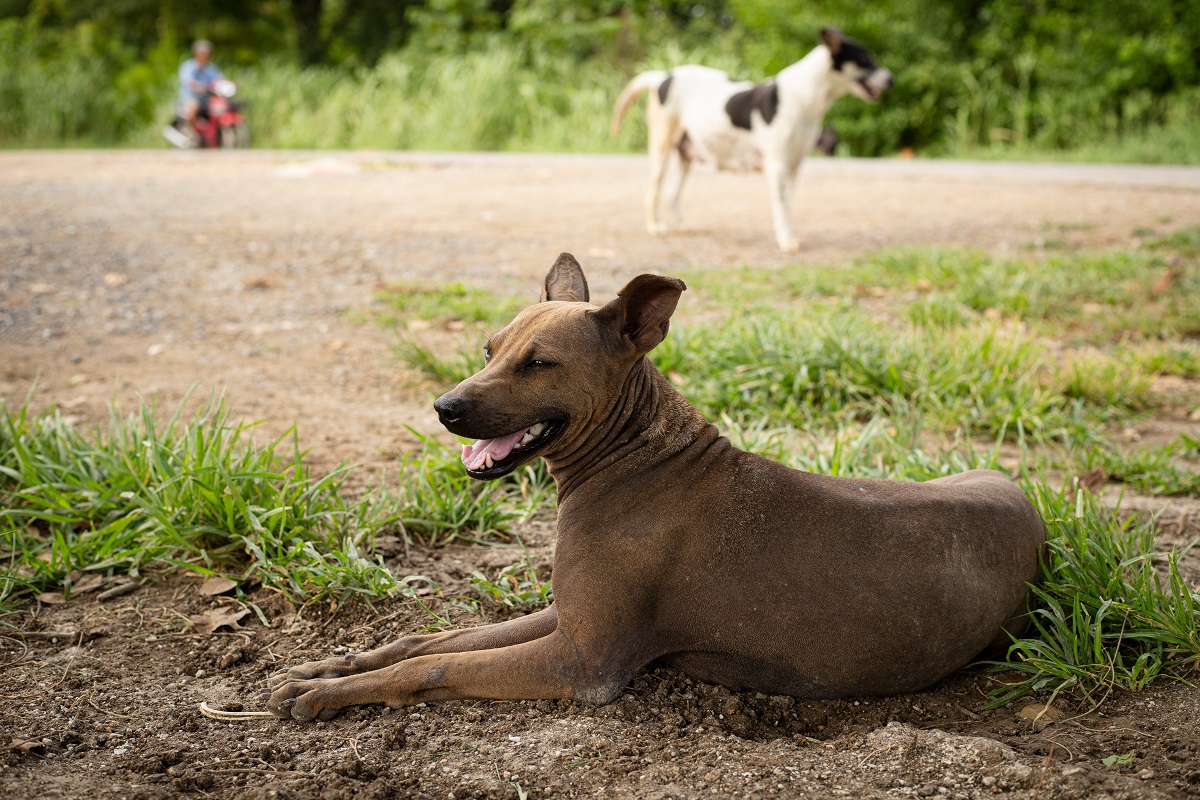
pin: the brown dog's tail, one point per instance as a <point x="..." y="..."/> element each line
<point x="642" y="83"/>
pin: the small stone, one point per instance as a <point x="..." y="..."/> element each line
<point x="927" y="790"/>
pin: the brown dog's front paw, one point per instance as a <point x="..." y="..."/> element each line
<point x="329" y="668"/>
<point x="299" y="700"/>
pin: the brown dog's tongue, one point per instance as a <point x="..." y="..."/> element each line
<point x="474" y="455"/>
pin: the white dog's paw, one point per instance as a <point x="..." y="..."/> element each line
<point x="789" y="245"/>
<point x="657" y="228"/>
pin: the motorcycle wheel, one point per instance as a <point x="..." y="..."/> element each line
<point x="235" y="136"/>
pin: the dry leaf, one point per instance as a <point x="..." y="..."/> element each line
<point x="1165" y="281"/>
<point x="25" y="745"/>
<point x="1037" y="712"/>
<point x="263" y="282"/>
<point x="210" y="621"/>
<point x="215" y="584"/>
<point x="51" y="598"/>
<point x="1093" y="479"/>
<point x="87" y="583"/>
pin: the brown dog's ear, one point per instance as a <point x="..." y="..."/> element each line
<point x="643" y="310"/>
<point x="565" y="281"/>
<point x="831" y="38"/>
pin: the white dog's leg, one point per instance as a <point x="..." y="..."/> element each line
<point x="685" y="164"/>
<point x="780" y="178"/>
<point x="659" y="158"/>
<point x="662" y="144"/>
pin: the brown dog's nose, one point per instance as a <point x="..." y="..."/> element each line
<point x="450" y="409"/>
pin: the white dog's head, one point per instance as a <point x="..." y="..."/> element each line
<point x="854" y="65"/>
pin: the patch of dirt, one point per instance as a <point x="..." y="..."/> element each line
<point x="130" y="274"/>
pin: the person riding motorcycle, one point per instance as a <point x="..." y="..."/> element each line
<point x="196" y="76"/>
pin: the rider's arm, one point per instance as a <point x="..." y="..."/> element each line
<point x="187" y="79"/>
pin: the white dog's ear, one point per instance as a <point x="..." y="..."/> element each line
<point x="832" y="38"/>
<point x="565" y="281"/>
<point x="642" y="310"/>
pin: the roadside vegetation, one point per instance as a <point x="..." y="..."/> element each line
<point x="988" y="79"/>
<point x="907" y="364"/>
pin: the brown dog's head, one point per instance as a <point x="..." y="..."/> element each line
<point x="556" y="371"/>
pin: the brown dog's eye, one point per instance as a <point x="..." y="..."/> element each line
<point x="487" y="354"/>
<point x="537" y="363"/>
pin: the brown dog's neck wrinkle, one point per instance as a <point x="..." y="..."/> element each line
<point x="648" y="423"/>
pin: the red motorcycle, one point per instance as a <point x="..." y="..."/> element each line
<point x="220" y="122"/>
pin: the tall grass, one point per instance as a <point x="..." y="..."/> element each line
<point x="493" y="98"/>
<point x="441" y="504"/>
<point x="840" y="364"/>
<point x="146" y="493"/>
<point x="1109" y="612"/>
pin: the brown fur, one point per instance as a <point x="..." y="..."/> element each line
<point x="675" y="546"/>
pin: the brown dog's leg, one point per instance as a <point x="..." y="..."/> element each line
<point x="548" y="668"/>
<point x="485" y="637"/>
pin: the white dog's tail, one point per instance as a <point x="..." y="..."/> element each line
<point x="642" y="83"/>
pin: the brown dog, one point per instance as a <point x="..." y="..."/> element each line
<point x="675" y="546"/>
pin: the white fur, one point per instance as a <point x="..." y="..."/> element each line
<point x="694" y="115"/>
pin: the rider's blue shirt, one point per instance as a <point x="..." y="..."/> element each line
<point x="191" y="71"/>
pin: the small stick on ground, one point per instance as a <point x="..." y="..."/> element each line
<point x="118" y="591"/>
<point x="216" y="713"/>
<point x="1045" y="767"/>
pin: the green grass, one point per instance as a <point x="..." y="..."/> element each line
<point x="517" y="587"/>
<point x="147" y="494"/>
<point x="832" y="364"/>
<point x="1181" y="359"/>
<point x="447" y="307"/>
<point x="400" y="303"/>
<point x="1109" y="613"/>
<point x="1096" y="297"/>
<point x="1161" y="470"/>
<point x="439" y="503"/>
<point x="444" y="367"/>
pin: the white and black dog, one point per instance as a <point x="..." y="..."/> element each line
<point x="700" y="113"/>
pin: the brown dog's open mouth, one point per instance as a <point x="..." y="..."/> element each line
<point x="871" y="91"/>
<point x="487" y="459"/>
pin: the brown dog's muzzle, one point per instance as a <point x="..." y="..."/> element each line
<point x="504" y="442"/>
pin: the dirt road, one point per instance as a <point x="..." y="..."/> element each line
<point x="126" y="274"/>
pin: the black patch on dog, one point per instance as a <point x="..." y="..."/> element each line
<point x="764" y="97"/>
<point x="852" y="52"/>
<point x="663" y="88"/>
